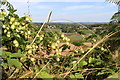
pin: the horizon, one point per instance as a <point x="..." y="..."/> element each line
<point x="71" y="22"/>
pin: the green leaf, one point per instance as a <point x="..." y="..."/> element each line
<point x="10" y="63"/>
<point x="14" y="62"/>
<point x="12" y="10"/>
<point x="4" y="65"/>
<point x="1" y="51"/>
<point x="17" y="55"/>
<point x="45" y="75"/>
<point x="79" y="75"/>
<point x="91" y="60"/>
<point x="115" y="75"/>
<point x="19" y="51"/>
<point x="84" y="63"/>
<point x="3" y="54"/>
<point x="7" y="53"/>
<point x="73" y="77"/>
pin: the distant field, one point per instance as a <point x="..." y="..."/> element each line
<point x="74" y="38"/>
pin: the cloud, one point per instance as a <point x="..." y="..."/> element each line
<point x="91" y="17"/>
<point x="57" y="0"/>
<point x="78" y="7"/>
<point x="42" y="6"/>
<point x="83" y="7"/>
<point x="59" y="10"/>
<point x="111" y="5"/>
<point x="45" y="6"/>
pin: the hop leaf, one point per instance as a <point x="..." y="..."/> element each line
<point x="14" y="62"/>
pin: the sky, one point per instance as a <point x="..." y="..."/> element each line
<point x="74" y="10"/>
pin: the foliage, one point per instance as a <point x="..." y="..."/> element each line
<point x="114" y="1"/>
<point x="6" y="3"/>
<point x="11" y="59"/>
<point x="24" y="50"/>
<point x="115" y="18"/>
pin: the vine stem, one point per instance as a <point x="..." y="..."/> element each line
<point x="23" y="76"/>
<point x="104" y="39"/>
<point x="40" y="70"/>
<point x="48" y="19"/>
<point x="92" y="69"/>
<point x="13" y="73"/>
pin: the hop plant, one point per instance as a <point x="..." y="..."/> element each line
<point x="12" y="26"/>
<point x="8" y="33"/>
<point x="3" y="26"/>
<point x="12" y="19"/>
<point x="28" y="18"/>
<point x="16" y="43"/>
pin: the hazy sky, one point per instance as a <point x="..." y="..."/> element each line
<point x="77" y="10"/>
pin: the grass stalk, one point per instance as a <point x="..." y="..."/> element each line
<point x="103" y="40"/>
<point x="48" y="19"/>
